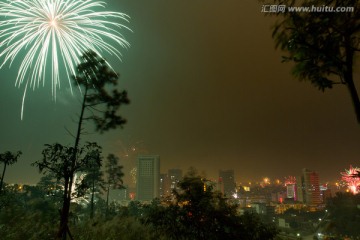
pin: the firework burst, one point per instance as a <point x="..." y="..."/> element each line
<point x="352" y="179"/>
<point x="128" y="149"/>
<point x="56" y="33"/>
<point x="290" y="180"/>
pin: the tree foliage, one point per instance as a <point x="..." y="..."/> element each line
<point x="27" y="214"/>
<point x="95" y="79"/>
<point x="93" y="181"/>
<point x="198" y="212"/>
<point x="322" y="45"/>
<point x="100" y="104"/>
<point x="344" y="214"/>
<point x="8" y="158"/>
<point x="59" y="160"/>
<point x="113" y="176"/>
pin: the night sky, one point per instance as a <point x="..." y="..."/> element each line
<point x="207" y="90"/>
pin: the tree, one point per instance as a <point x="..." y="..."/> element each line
<point x="114" y="176"/>
<point x="95" y="78"/>
<point x="58" y="160"/>
<point x="28" y="214"/>
<point x="344" y="214"/>
<point x="93" y="180"/>
<point x="322" y="45"/>
<point x="100" y="104"/>
<point x="51" y="186"/>
<point x="198" y="212"/>
<point x="8" y="158"/>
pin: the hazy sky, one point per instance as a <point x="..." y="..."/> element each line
<point x="207" y="89"/>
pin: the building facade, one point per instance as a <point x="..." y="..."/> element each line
<point x="227" y="182"/>
<point x="169" y="182"/>
<point x="174" y="176"/>
<point x="148" y="177"/>
<point x="310" y="186"/>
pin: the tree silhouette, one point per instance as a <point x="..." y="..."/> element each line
<point x="8" y="158"/>
<point x="93" y="180"/>
<point x="100" y="104"/>
<point x="51" y="186"/>
<point x="322" y="45"/>
<point x="58" y="160"/>
<point x="344" y="214"/>
<point x="114" y="176"/>
<point x="198" y="212"/>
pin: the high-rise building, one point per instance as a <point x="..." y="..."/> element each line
<point x="310" y="186"/>
<point x="164" y="185"/>
<point x="148" y="177"/>
<point x="227" y="183"/>
<point x="175" y="176"/>
<point x="169" y="182"/>
<point x="291" y="189"/>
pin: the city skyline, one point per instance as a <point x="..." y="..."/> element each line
<point x="207" y="90"/>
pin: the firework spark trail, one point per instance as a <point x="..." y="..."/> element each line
<point x="290" y="180"/>
<point x="351" y="179"/>
<point x="128" y="150"/>
<point x="60" y="29"/>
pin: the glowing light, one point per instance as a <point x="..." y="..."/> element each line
<point x="132" y="195"/>
<point x="133" y="173"/>
<point x="265" y="181"/>
<point x="56" y="33"/>
<point x="351" y="179"/>
<point x="53" y="23"/>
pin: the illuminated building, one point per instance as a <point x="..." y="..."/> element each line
<point x="310" y="187"/>
<point x="291" y="191"/>
<point x="164" y="186"/>
<point x="175" y="176"/>
<point x="227" y="183"/>
<point x="169" y="181"/>
<point x="290" y="183"/>
<point x="325" y="193"/>
<point x="259" y="208"/>
<point x="148" y="177"/>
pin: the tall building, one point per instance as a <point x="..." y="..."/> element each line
<point x="148" y="177"/>
<point x="164" y="185"/>
<point x="310" y="186"/>
<point x="175" y="176"/>
<point x="291" y="189"/>
<point x="227" y="183"/>
<point x="169" y="182"/>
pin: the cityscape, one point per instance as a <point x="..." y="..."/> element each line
<point x="305" y="188"/>
<point x="297" y="205"/>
